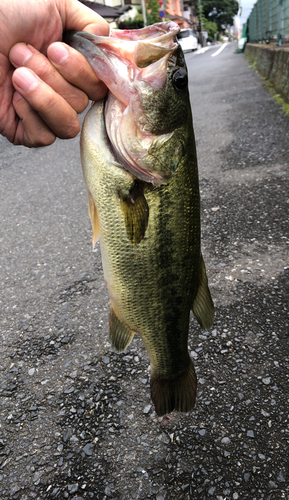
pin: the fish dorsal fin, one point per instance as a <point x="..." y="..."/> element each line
<point x="136" y="213"/>
<point x="120" y="334"/>
<point x="203" y="307"/>
<point x="94" y="219"/>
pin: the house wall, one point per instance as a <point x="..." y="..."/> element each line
<point x="112" y="3"/>
<point x="193" y="18"/>
<point x="174" y="8"/>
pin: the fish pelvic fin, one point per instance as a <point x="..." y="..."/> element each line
<point x="94" y="219"/>
<point x="136" y="213"/>
<point x="203" y="307"/>
<point x="120" y="334"/>
<point x="178" y="393"/>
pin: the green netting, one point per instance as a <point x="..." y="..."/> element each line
<point x="269" y="20"/>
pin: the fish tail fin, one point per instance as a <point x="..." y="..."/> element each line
<point x="203" y="307"/>
<point x="178" y="393"/>
<point x="120" y="334"/>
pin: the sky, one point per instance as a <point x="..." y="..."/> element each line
<point x="247" y="6"/>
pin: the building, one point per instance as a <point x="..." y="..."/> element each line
<point x="182" y="12"/>
<point x="190" y="12"/>
<point x="110" y="10"/>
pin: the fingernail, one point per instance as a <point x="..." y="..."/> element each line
<point x="19" y="55"/>
<point x="58" y="53"/>
<point x="25" y="79"/>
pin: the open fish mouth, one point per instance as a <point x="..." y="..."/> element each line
<point x="134" y="66"/>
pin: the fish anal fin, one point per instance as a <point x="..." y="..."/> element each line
<point x="178" y="393"/>
<point x="94" y="219"/>
<point x="136" y="213"/>
<point x="203" y="307"/>
<point x="120" y="334"/>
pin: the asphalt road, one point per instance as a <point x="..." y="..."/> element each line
<point x="76" y="418"/>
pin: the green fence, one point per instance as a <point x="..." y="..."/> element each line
<point x="269" y="20"/>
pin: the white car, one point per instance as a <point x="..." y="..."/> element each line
<point x="187" y="39"/>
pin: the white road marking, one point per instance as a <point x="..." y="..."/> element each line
<point x="219" y="50"/>
<point x="201" y="51"/>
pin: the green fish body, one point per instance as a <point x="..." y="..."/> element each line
<point x="142" y="183"/>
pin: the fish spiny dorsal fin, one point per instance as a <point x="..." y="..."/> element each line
<point x="203" y="307"/>
<point x="136" y="213"/>
<point x="94" y="219"/>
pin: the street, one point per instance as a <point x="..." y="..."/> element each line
<point x="76" y="419"/>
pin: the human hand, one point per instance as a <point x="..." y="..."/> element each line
<point x="39" y="100"/>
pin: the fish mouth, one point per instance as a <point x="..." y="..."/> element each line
<point x="140" y="46"/>
<point x="130" y="62"/>
<point x="135" y="149"/>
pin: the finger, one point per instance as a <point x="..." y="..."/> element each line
<point x="55" y="111"/>
<point x="31" y="131"/>
<point x="74" y="68"/>
<point x="25" y="55"/>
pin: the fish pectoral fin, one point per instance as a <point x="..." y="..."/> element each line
<point x="203" y="307"/>
<point x="177" y="393"/>
<point x="136" y="213"/>
<point x="94" y="219"/>
<point x="120" y="334"/>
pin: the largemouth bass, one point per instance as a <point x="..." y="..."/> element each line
<point x="140" y="169"/>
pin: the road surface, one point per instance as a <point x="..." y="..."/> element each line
<point x="76" y="417"/>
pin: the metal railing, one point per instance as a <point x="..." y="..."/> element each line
<point x="269" y="21"/>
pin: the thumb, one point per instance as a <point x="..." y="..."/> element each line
<point x="81" y="18"/>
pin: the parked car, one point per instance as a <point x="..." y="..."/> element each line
<point x="187" y="39"/>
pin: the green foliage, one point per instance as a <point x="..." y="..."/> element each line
<point x="132" y="24"/>
<point x="278" y="98"/>
<point x="285" y="105"/>
<point x="270" y="86"/>
<point x="252" y="60"/>
<point x="152" y="12"/>
<point x="211" y="28"/>
<point x="221" y="12"/>
<point x="152" y="15"/>
<point x="208" y="25"/>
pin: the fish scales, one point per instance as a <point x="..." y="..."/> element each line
<point x="149" y="232"/>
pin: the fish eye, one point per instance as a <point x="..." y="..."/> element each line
<point x="180" y="79"/>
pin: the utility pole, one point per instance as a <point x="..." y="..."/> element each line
<point x="201" y="22"/>
<point x="143" y="7"/>
<point x="182" y="9"/>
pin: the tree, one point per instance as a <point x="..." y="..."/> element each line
<point x="221" y="12"/>
<point x="211" y="28"/>
<point x="152" y="15"/>
<point x="152" y="11"/>
<point x="208" y="25"/>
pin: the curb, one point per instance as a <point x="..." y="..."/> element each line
<point x="273" y="64"/>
